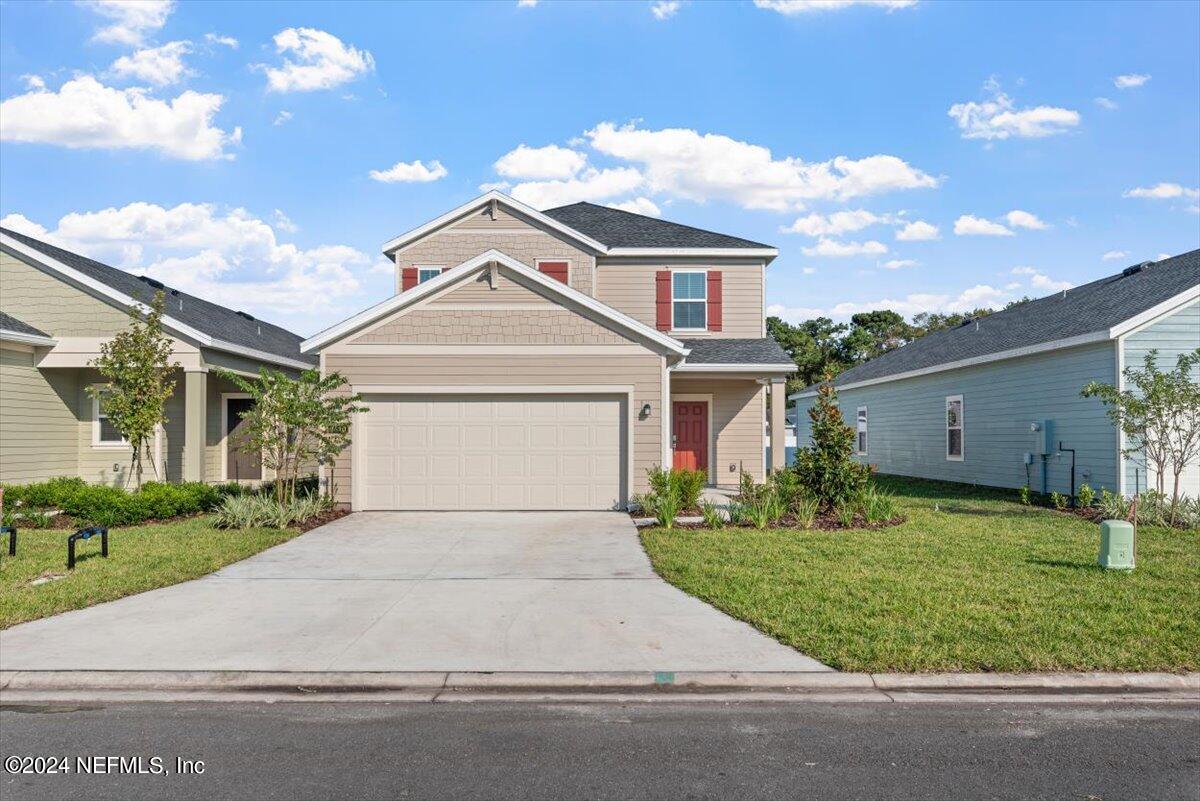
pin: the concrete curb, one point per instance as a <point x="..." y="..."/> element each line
<point x="26" y="687"/>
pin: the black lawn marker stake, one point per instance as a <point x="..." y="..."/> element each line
<point x="11" y="531"/>
<point x="86" y="534"/>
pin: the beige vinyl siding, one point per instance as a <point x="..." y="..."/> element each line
<point x="514" y="236"/>
<point x="630" y="288"/>
<point x="643" y="372"/>
<point x="96" y="462"/>
<point x="37" y="419"/>
<point x="737" y="417"/>
<point x="549" y="326"/>
<point x="50" y="304"/>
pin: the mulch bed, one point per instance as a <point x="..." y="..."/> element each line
<point x="823" y="522"/>
<point x="323" y="518"/>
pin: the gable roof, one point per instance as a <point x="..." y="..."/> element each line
<point x="1094" y="312"/>
<point x="211" y="325"/>
<point x="608" y="232"/>
<point x="742" y="354"/>
<point x="14" y="330"/>
<point x="625" y="229"/>
<point x="469" y="267"/>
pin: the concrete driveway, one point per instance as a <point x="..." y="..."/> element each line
<point x="513" y="591"/>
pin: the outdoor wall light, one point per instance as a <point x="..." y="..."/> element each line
<point x="645" y="410"/>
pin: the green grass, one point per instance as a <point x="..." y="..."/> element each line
<point x="973" y="581"/>
<point x="140" y="558"/>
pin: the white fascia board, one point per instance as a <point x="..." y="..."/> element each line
<point x="1154" y="312"/>
<point x="454" y="274"/>
<point x="121" y="298"/>
<point x="481" y="201"/>
<point x="715" y="253"/>
<point x="1015" y="353"/>
<point x="685" y="367"/>
<point x="27" y="339"/>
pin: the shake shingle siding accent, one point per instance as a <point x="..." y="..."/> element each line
<point x="1000" y="400"/>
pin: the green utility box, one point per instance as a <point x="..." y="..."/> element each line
<point x="1116" y="545"/>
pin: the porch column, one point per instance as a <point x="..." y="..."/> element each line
<point x="778" y="389"/>
<point x="195" y="414"/>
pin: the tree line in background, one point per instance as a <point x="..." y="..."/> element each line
<point x="820" y="346"/>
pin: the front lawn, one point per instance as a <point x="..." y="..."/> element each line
<point x="140" y="558"/>
<point x="973" y="581"/>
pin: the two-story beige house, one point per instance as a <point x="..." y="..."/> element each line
<point x="548" y="359"/>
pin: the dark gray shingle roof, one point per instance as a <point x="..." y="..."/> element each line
<point x="736" y="351"/>
<point x="1086" y="309"/>
<point x="624" y="229"/>
<point x="10" y="323"/>
<point x="216" y="321"/>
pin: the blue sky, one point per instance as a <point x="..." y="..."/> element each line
<point x="228" y="149"/>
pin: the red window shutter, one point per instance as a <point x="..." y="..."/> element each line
<point x="714" y="300"/>
<point x="408" y="278"/>
<point x="554" y="269"/>
<point x="662" y="300"/>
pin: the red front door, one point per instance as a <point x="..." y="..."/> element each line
<point x="690" y="428"/>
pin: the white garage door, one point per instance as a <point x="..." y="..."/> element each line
<point x="489" y="452"/>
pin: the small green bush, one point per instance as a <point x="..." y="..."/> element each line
<point x="1025" y="494"/>
<point x="878" y="506"/>
<point x="1058" y="500"/>
<point x="665" y="508"/>
<point x="806" y="511"/>
<point x="827" y="468"/>
<point x="846" y="514"/>
<point x="1087" y="495"/>
<point x="47" y="494"/>
<point x="96" y="504"/>
<point x="737" y="513"/>
<point x="1113" y="506"/>
<point x="254" y="511"/>
<point x="713" y="518"/>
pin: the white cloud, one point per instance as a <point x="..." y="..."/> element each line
<point x="283" y="222"/>
<point x="33" y="82"/>
<point x="808" y="270"/>
<point x="999" y="118"/>
<point x="216" y="39"/>
<point x="1113" y="255"/>
<point x="527" y="3"/>
<point x="499" y="186"/>
<point x="281" y="118"/>
<point x="835" y="224"/>
<point x="411" y="173"/>
<point x="84" y="113"/>
<point x="1105" y="103"/>
<point x="227" y="256"/>
<point x="1162" y="256"/>
<point x="918" y="231"/>
<point x="1038" y="280"/>
<point x="1130" y="81"/>
<point x="980" y="295"/>
<point x="794" y="7"/>
<point x="1162" y="191"/>
<point x="591" y="185"/>
<point x="639" y="205"/>
<point x="549" y="162"/>
<point x="898" y="264"/>
<point x="160" y="66"/>
<point x="701" y="167"/>
<point x="131" y="21"/>
<point x="969" y="225"/>
<point x="833" y="249"/>
<point x="665" y="9"/>
<point x="1023" y="219"/>
<point x="322" y="61"/>
<point x="793" y="314"/>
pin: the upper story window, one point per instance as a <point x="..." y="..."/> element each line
<point x="689" y="301"/>
<point x="861" y="442"/>
<point x="954" y="428"/>
<point x="426" y="273"/>
<point x="103" y="432"/>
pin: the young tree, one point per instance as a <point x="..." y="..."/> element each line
<point x="827" y="469"/>
<point x="136" y="364"/>
<point x="1159" y="413"/>
<point x="295" y="421"/>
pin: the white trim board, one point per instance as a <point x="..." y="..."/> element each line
<point x="8" y="335"/>
<point x="126" y="301"/>
<point x="686" y="367"/>
<point x="471" y="266"/>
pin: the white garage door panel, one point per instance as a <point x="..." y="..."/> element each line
<point x="490" y="452"/>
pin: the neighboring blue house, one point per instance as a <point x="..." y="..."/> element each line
<point x="969" y="403"/>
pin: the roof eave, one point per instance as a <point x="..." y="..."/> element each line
<point x="25" y="338"/>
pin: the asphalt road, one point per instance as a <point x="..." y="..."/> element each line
<point x="527" y="751"/>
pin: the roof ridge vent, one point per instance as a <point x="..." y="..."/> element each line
<point x="243" y="314"/>
<point x="156" y="284"/>
<point x="1135" y="269"/>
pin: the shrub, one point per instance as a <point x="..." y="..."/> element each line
<point x="47" y="494"/>
<point x="788" y="486"/>
<point x="253" y="511"/>
<point x="878" y="506"/>
<point x="827" y="469"/>
<point x="1058" y="500"/>
<point x="1113" y="506"/>
<point x="100" y="505"/>
<point x="665" y="508"/>
<point x="737" y="513"/>
<point x="846" y="514"/>
<point x="713" y="518"/>
<point x="690" y="485"/>
<point x="759" y="513"/>
<point x="806" y="511"/>
<point x="1025" y="494"/>
<point x="1087" y="495"/>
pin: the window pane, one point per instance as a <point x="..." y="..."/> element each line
<point x="424" y="274"/>
<point x="689" y="315"/>
<point x="954" y="443"/>
<point x="688" y="286"/>
<point x="862" y="441"/>
<point x="108" y="432"/>
<point x="954" y="413"/>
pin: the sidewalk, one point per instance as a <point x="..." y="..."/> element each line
<point x="29" y="687"/>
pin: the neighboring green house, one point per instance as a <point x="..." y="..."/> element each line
<point x="56" y="308"/>
<point x="961" y="405"/>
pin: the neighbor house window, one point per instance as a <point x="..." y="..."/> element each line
<point x="954" y="427"/>
<point x="103" y="432"/>
<point x="426" y="273"/>
<point x="861" y="444"/>
<point x="689" y="301"/>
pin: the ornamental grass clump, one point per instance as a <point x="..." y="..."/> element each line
<point x="713" y="517"/>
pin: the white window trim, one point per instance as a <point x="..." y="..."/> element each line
<point x="962" y="428"/>
<point x="861" y="418"/>
<point x="689" y="300"/>
<point x="441" y="268"/>
<point x="96" y="441"/>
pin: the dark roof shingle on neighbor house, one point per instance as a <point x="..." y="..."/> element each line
<point x="216" y="321"/>
<point x="624" y="229"/>
<point x="10" y="323"/>
<point x="1088" y="309"/>
<point x="736" y="351"/>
